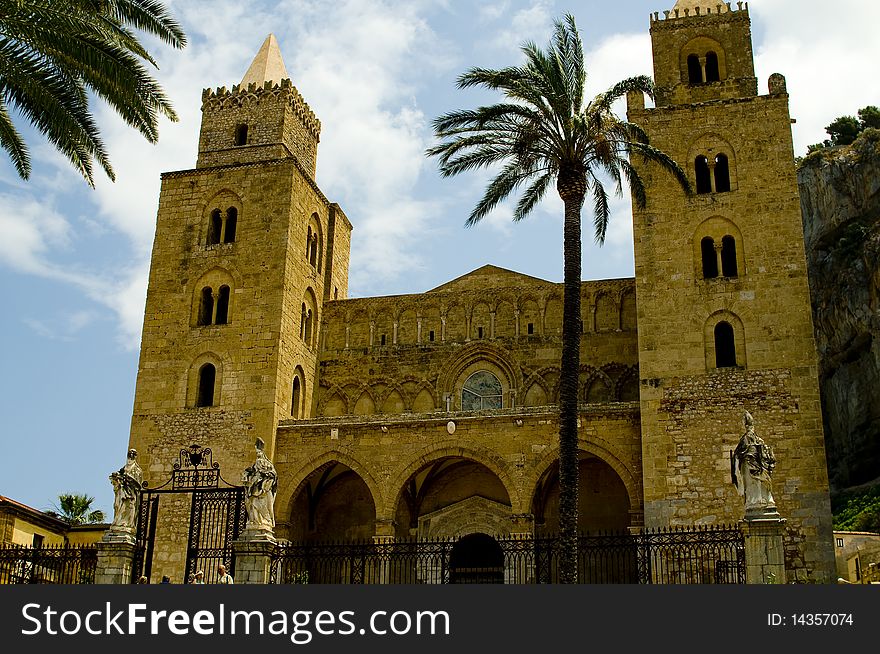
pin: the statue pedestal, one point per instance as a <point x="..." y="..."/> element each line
<point x="264" y="534"/>
<point x="765" y="556"/>
<point x="253" y="557"/>
<point x="115" y="558"/>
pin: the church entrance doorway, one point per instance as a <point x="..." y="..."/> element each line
<point x="476" y="559"/>
<point x="195" y="496"/>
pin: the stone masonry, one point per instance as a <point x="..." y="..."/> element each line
<point x="434" y="414"/>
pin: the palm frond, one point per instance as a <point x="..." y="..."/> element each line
<point x="53" y="52"/>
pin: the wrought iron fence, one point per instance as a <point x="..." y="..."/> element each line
<point x="53" y="564"/>
<point x="705" y="555"/>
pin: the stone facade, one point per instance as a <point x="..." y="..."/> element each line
<point x="729" y="259"/>
<point x="434" y="414"/>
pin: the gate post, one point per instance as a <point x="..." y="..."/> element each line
<point x="253" y="560"/>
<point x="115" y="560"/>
<point x="765" y="556"/>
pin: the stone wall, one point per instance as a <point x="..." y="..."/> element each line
<point x="511" y="454"/>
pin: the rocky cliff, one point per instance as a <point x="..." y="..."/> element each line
<point x="840" y="198"/>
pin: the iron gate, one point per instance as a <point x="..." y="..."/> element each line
<point x="217" y="514"/>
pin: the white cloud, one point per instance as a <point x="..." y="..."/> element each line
<point x="530" y="24"/>
<point x="830" y="72"/>
<point x="64" y="328"/>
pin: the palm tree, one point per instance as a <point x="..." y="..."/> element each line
<point x="547" y="133"/>
<point x="76" y="509"/>
<point x="54" y="52"/>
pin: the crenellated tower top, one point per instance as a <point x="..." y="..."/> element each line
<point x="264" y="118"/>
<point x="703" y="52"/>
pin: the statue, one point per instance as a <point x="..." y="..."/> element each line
<point x="260" y="485"/>
<point x="127" y="482"/>
<point x="751" y="465"/>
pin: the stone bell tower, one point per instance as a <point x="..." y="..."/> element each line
<point x="723" y="304"/>
<point x="247" y="249"/>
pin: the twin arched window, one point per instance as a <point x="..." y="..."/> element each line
<point x="213" y="306"/>
<point x="482" y="390"/>
<point x="714" y="176"/>
<point x="703" y="69"/>
<point x="305" y="324"/>
<point x="719" y="259"/>
<point x="314" y="243"/>
<point x="223" y="226"/>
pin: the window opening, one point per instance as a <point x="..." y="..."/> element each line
<point x="207" y="377"/>
<point x="725" y="350"/>
<point x="482" y="390"/>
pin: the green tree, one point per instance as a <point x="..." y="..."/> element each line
<point x="53" y="53"/>
<point x="843" y="130"/>
<point x="869" y="118"/>
<point x="544" y="134"/>
<point x="76" y="509"/>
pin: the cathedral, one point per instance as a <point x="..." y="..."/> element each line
<point x="433" y="415"/>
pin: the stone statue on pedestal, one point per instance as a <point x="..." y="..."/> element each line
<point x="127" y="482"/>
<point x="751" y="466"/>
<point x="260" y="483"/>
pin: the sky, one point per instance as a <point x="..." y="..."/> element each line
<point x="74" y="261"/>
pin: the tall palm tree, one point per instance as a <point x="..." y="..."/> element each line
<point x="546" y="132"/>
<point x="53" y="53"/>
<point x="76" y="509"/>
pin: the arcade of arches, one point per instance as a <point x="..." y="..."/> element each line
<point x="451" y="497"/>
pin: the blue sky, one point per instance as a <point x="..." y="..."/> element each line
<point x="74" y="261"/>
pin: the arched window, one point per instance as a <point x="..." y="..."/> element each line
<point x="695" y="70"/>
<point x="215" y="228"/>
<point x="482" y="390"/>
<point x="713" y="73"/>
<point x="206" y="306"/>
<point x="725" y="348"/>
<point x="728" y="256"/>
<point x="704" y="182"/>
<point x="710" y="260"/>
<point x="207" y="378"/>
<point x="302" y="322"/>
<point x="296" y="398"/>
<point x="313" y="251"/>
<point x="722" y="174"/>
<point x="307" y="330"/>
<point x="308" y="242"/>
<point x="241" y="134"/>
<point x="222" y="306"/>
<point x="231" y="224"/>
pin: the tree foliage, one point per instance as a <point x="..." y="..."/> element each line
<point x="54" y="53"/>
<point x="546" y="133"/>
<point x="857" y="510"/>
<point x="76" y="509"/>
<point x="844" y="130"/>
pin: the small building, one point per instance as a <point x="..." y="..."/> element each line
<point x="23" y="525"/>
<point x="857" y="554"/>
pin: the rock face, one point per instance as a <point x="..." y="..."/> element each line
<point x="840" y="198"/>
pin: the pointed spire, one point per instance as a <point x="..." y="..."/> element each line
<point x="267" y="65"/>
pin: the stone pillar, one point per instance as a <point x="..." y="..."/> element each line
<point x="518" y="568"/>
<point x="115" y="559"/>
<point x="253" y="560"/>
<point x="383" y="539"/>
<point x="765" y="557"/>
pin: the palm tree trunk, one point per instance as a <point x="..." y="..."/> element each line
<point x="572" y="193"/>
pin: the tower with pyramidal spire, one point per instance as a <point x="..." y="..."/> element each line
<point x="247" y="249"/>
